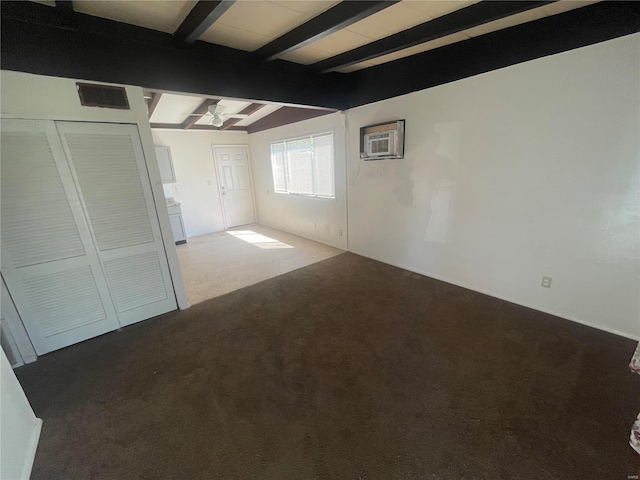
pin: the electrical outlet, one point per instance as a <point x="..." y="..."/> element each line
<point x="546" y="282"/>
<point x="340" y="232"/>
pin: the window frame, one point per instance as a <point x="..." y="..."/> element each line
<point x="306" y="136"/>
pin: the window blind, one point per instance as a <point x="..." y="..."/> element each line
<point x="304" y="166"/>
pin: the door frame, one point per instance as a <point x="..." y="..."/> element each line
<point x="250" y="168"/>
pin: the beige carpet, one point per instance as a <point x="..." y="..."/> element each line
<point x="222" y="262"/>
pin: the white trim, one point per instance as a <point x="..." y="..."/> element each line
<point x="506" y="299"/>
<point x="157" y="192"/>
<point x="12" y="324"/>
<point x="31" y="452"/>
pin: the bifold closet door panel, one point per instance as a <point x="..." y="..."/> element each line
<point x="49" y="261"/>
<point x="109" y="168"/>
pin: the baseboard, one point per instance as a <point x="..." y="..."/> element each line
<point x="501" y="297"/>
<point x="31" y="453"/>
<point x="304" y="236"/>
<point x="29" y="359"/>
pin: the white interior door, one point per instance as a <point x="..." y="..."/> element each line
<point x="49" y="261"/>
<point x="109" y="168"/>
<point x="234" y="179"/>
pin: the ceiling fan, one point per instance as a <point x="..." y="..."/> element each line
<point x="218" y="117"/>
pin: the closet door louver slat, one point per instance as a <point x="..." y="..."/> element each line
<point x="110" y="171"/>
<point x="136" y="281"/>
<point x="49" y="261"/>
<point x="37" y="221"/>
<point x="106" y="169"/>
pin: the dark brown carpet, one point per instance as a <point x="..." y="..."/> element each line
<point x="346" y="369"/>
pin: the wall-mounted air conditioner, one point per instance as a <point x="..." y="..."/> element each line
<point x="382" y="141"/>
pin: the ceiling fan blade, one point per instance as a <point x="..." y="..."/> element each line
<point x="236" y="115"/>
<point x="194" y="114"/>
<point x="216" y="109"/>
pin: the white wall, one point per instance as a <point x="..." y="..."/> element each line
<point x="19" y="427"/>
<point x="522" y="172"/>
<point x="41" y="97"/>
<point x="319" y="219"/>
<point x="196" y="175"/>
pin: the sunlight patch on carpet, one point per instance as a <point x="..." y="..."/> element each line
<point x="259" y="240"/>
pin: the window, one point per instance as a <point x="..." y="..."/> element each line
<point x="304" y="166"/>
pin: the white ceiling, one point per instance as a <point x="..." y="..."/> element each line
<point x="251" y="24"/>
<point x="172" y="109"/>
<point x="511" y="21"/>
<point x="163" y="15"/>
<point x="394" y="19"/>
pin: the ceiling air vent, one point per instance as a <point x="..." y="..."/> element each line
<point x="106" y="96"/>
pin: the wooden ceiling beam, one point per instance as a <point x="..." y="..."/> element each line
<point x="477" y="14"/>
<point x="198" y="113"/>
<point x="285" y="116"/>
<point x="133" y="55"/>
<point x="203" y="14"/>
<point x="336" y="18"/>
<point x="66" y="13"/>
<point x="251" y="109"/>
<point x="66" y="5"/>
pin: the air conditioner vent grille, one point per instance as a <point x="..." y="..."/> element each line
<point x="106" y="96"/>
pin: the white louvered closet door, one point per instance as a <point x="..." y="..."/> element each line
<point x="49" y="261"/>
<point x="108" y="165"/>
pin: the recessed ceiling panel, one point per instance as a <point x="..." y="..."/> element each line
<point x="258" y="17"/>
<point x="309" y="7"/>
<point x="336" y="43"/>
<point x="524" y="17"/>
<point x="389" y="21"/>
<point x="250" y="24"/>
<point x="171" y="108"/>
<point x="234" y="37"/>
<point x="435" y="9"/>
<point x="263" y="112"/>
<point x="161" y="15"/>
